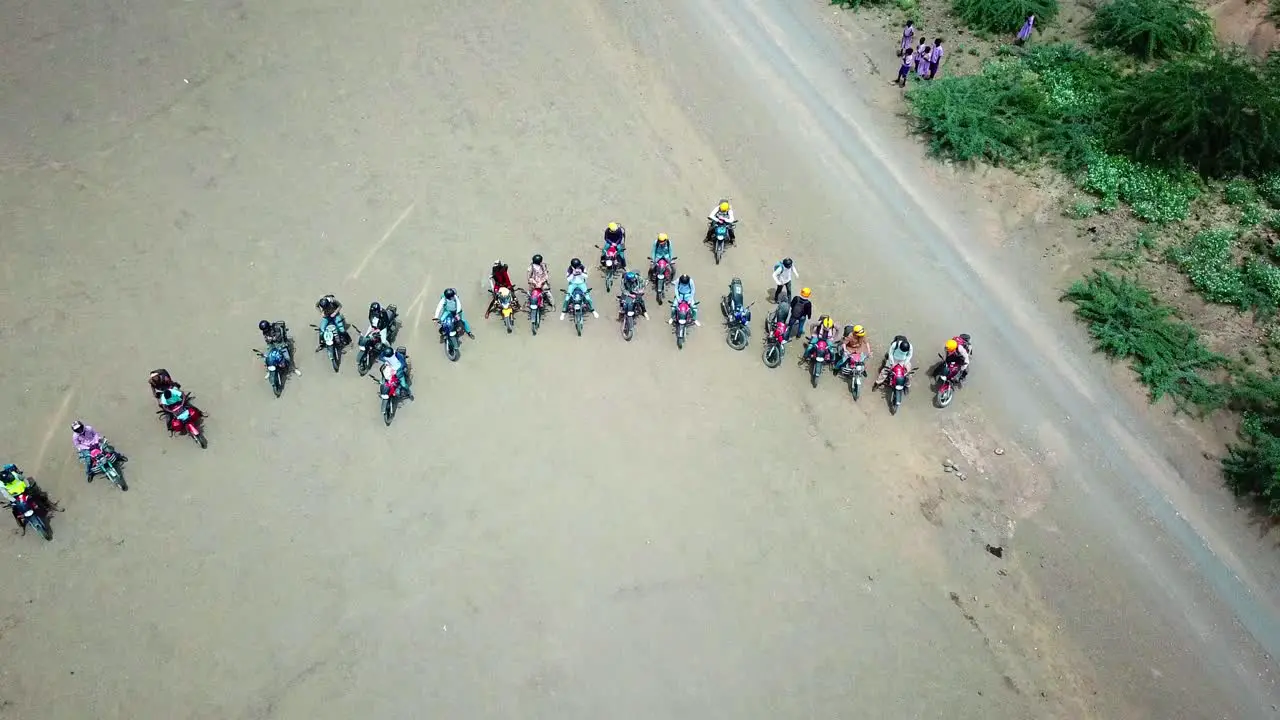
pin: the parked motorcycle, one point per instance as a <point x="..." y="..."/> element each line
<point x="718" y="236"/>
<point x="855" y="371"/>
<point x="819" y="358"/>
<point x="737" y="322"/>
<point x="332" y="342"/>
<point x="610" y="265"/>
<point x="684" y="321"/>
<point x="537" y="307"/>
<point x="33" y="513"/>
<point x="899" y="384"/>
<point x="775" y="343"/>
<point x="946" y="377"/>
<point x="661" y="274"/>
<point x="578" y="306"/>
<point x="277" y="364"/>
<point x="103" y="460"/>
<point x="451" y="331"/>
<point x="508" y="307"/>
<point x="628" y="308"/>
<point x="184" y="418"/>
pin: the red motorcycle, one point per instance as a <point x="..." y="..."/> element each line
<point x="662" y="273"/>
<point x="610" y="265"/>
<point x="389" y="391"/>
<point x="819" y="356"/>
<point x="183" y="418"/>
<point x="947" y="376"/>
<point x="537" y="307"/>
<point x="899" y="385"/>
<point x="775" y="342"/>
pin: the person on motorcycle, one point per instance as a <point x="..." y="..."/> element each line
<point x="855" y="347"/>
<point x="499" y="279"/>
<point x="801" y="311"/>
<point x="957" y="351"/>
<point x="722" y="213"/>
<point x="396" y="362"/>
<point x="633" y="285"/>
<point x="661" y="251"/>
<point x="160" y="381"/>
<point x="331" y="314"/>
<point x="824" y="329"/>
<point x="616" y="235"/>
<point x="13" y="482"/>
<point x="451" y="304"/>
<point x="382" y="317"/>
<point x="899" y="353"/>
<point x="374" y="335"/>
<point x="783" y="273"/>
<point x="277" y="333"/>
<point x="84" y="437"/>
<point x="539" y="277"/>
<point x="685" y="291"/>
<point x="576" y="279"/>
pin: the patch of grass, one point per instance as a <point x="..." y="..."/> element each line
<point x="1208" y="260"/>
<point x="1251" y="215"/>
<point x="1003" y="16"/>
<point x="1240" y="192"/>
<point x="1152" y="29"/>
<point x="1252" y="467"/>
<point x="1127" y="322"/>
<point x="1269" y="187"/>
<point x="1082" y="210"/>
<point x="1156" y="195"/>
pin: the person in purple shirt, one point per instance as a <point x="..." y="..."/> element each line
<point x="1025" y="33"/>
<point x="908" y="33"/>
<point x="908" y="61"/>
<point x="935" y="59"/>
<point x="922" y="60"/>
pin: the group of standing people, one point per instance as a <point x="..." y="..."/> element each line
<point x="924" y="59"/>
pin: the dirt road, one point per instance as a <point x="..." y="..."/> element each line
<point x="558" y="527"/>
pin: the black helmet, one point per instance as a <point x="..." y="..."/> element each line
<point x="77" y="427"/>
<point x="786" y="262"/>
<point x="537" y="259"/>
<point x="684" y="279"/>
<point x="848" y="330"/>
<point x="326" y="303"/>
<point x="387" y="352"/>
<point x="450" y="294"/>
<point x="576" y="264"/>
<point x="375" y="308"/>
<point x="263" y="325"/>
<point x="904" y="346"/>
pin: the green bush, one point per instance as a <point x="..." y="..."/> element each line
<point x="1207" y="259"/>
<point x="1003" y="16"/>
<point x="1156" y="195"/>
<point x="1077" y="87"/>
<point x="1240" y="192"/>
<point x="1252" y="468"/>
<point x="1219" y="114"/>
<point x="1263" y="279"/>
<point x="1152" y="29"/>
<point x="1269" y="189"/>
<point x="1126" y="322"/>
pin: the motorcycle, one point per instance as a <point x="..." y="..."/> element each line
<point x="627" y="309"/>
<point x="946" y="377"/>
<point x="662" y="273"/>
<point x="102" y="461"/>
<point x="684" y="319"/>
<point x="899" y="385"/>
<point x="610" y="264"/>
<point x="389" y="391"/>
<point x="819" y="356"/>
<point x="855" y="371"/>
<point x="537" y="306"/>
<point x="277" y="365"/>
<point x="451" y="331"/>
<point x="775" y="343"/>
<point x="737" y="324"/>
<point x="718" y="235"/>
<point x="578" y="305"/>
<point x="508" y="307"/>
<point x="332" y="342"/>
<point x="370" y="350"/>
<point x="184" y="418"/>
<point x="33" y="513"/>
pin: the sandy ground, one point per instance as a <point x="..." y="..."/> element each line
<point x="558" y="527"/>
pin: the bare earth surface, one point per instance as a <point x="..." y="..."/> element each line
<point x="558" y="527"/>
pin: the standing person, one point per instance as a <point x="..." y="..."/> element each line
<point x="908" y="34"/>
<point x="935" y="59"/>
<point x="908" y="62"/>
<point x="1025" y="33"/>
<point x="922" y="60"/>
<point x="801" y="311"/>
<point x="783" y="273"/>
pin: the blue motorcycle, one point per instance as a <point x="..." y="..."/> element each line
<point x="276" y="360"/>
<point x="451" y="332"/>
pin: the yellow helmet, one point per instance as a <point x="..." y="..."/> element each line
<point x="859" y="331"/>
<point x="805" y="292"/>
<point x="662" y="237"/>
<point x="613" y="227"/>
<point x="827" y="322"/>
<point x="724" y="206"/>
<point x="952" y="345"/>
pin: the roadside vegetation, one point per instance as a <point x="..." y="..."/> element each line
<point x="1146" y="115"/>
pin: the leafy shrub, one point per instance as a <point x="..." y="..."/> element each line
<point x="1263" y="279"/>
<point x="1219" y="114"/>
<point x="1126" y="322"/>
<point x="1156" y="195"/>
<point x="1252" y="468"/>
<point x="1152" y="29"/>
<point x="1077" y="87"/>
<point x="1240" y="192"/>
<point x="1207" y="260"/>
<point x="1003" y="16"/>
<point x="1269" y="189"/>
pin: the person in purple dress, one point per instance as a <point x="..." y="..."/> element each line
<point x="1025" y="33"/>
<point x="908" y="33"/>
<point x="935" y="59"/>
<point x="922" y="60"/>
<point x="908" y="61"/>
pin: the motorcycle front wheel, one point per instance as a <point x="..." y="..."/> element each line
<point x="333" y="357"/>
<point x="737" y="339"/>
<point x="37" y="522"/>
<point x="772" y="355"/>
<point x="451" y="350"/>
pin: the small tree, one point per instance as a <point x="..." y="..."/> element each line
<point x="1152" y="29"/>
<point x="1003" y="16"/>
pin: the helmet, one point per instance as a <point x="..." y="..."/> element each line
<point x="537" y="259"/>
<point x="613" y="227"/>
<point x="848" y="330"/>
<point x="859" y="331"/>
<point x="662" y="237"/>
<point x="504" y="292"/>
<point x="631" y="275"/>
<point x="952" y="345"/>
<point x="450" y="293"/>
<point x="576" y="264"/>
<point x="684" y="279"/>
<point x="805" y="293"/>
<point x="904" y="346"/>
<point x="325" y="303"/>
<point x="724" y="206"/>
<point x="786" y="262"/>
<point x="375" y="308"/>
<point x="6" y="472"/>
<point x="497" y="264"/>
<point x="387" y="352"/>
<point x="263" y="325"/>
<point x="827" y="322"/>
<point x="77" y="427"/>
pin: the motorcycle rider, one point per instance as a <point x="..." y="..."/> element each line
<point x="824" y="329"/>
<point x="685" y="291"/>
<point x="957" y="351"/>
<point x="451" y="304"/>
<point x="615" y="234"/>
<point x="331" y="313"/>
<point x="277" y="333"/>
<point x="721" y="214"/>
<point x="633" y="285"/>
<point x="801" y="311"/>
<point x="160" y="382"/>
<point x="385" y="317"/>
<point x="13" y="482"/>
<point x="661" y="250"/>
<point x="539" y="277"/>
<point x="783" y="273"/>
<point x="576" y="279"/>
<point x="396" y="362"/>
<point x="855" y="347"/>
<point x="899" y="353"/>
<point x="84" y="437"/>
<point x="499" y="279"/>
